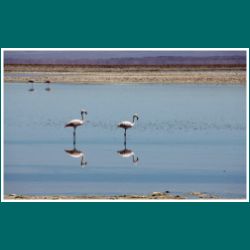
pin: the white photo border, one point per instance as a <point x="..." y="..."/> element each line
<point x="125" y="49"/>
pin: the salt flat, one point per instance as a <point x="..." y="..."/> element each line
<point x="211" y="74"/>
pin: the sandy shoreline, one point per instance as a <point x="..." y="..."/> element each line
<point x="152" y="196"/>
<point x="89" y="197"/>
<point x="212" y="74"/>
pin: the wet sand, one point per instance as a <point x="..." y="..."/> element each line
<point x="213" y="74"/>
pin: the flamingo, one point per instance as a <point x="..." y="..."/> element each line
<point x="48" y="87"/>
<point x="32" y="85"/>
<point x="75" y="123"/>
<point x="126" y="125"/>
<point x="77" y="154"/>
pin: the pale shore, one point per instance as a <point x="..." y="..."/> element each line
<point x="152" y="196"/>
<point x="209" y="74"/>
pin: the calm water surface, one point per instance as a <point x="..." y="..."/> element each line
<point x="189" y="138"/>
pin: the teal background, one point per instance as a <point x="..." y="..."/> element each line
<point x="168" y="24"/>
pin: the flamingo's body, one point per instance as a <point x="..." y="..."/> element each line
<point x="126" y="124"/>
<point x="76" y="123"/>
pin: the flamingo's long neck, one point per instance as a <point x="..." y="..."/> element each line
<point x="82" y="115"/>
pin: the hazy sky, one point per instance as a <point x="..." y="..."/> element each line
<point x="115" y="54"/>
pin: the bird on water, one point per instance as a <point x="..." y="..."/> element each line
<point x="76" y="123"/>
<point x="48" y="87"/>
<point x="127" y="124"/>
<point x="32" y="86"/>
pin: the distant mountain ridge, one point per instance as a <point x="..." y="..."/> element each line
<point x="149" y="60"/>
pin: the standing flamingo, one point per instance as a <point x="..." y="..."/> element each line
<point x="32" y="85"/>
<point x="48" y="87"/>
<point x="126" y="125"/>
<point x="75" y="123"/>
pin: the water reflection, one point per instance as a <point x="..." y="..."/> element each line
<point x="75" y="153"/>
<point x="126" y="153"/>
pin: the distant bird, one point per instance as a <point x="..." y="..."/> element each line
<point x="75" y="123"/>
<point x="48" y="87"/>
<point x="32" y="85"/>
<point x="127" y="124"/>
<point x="126" y="153"/>
<point x="77" y="154"/>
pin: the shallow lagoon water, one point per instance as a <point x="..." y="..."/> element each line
<point x="189" y="138"/>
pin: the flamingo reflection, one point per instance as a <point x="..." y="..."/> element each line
<point x="127" y="153"/>
<point x="75" y="153"/>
